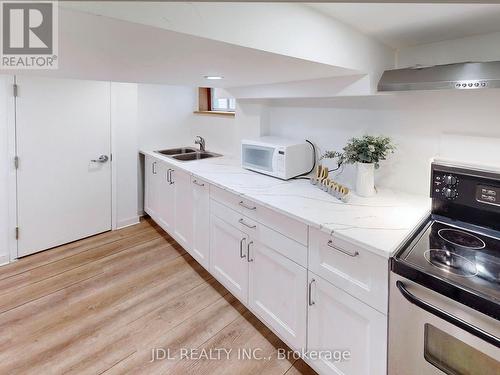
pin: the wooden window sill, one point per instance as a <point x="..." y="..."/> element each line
<point x="214" y="113"/>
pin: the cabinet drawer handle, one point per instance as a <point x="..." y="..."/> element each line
<point x="248" y="252"/>
<point x="197" y="183"/>
<point x="241" y="248"/>
<point x="242" y="204"/>
<point x="353" y="254"/>
<point x="153" y="167"/>
<point x="171" y="180"/>
<point x="311" y="302"/>
<point x="241" y="221"/>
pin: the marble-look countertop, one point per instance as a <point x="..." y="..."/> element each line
<point x="380" y="224"/>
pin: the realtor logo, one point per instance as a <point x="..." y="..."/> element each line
<point x="29" y="35"/>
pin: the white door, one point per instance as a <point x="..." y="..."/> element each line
<point x="339" y="322"/>
<point x="151" y="186"/>
<point x="165" y="202"/>
<point x="62" y="125"/>
<point x="228" y="257"/>
<point x="277" y="292"/>
<point x="201" y="222"/>
<point x="183" y="228"/>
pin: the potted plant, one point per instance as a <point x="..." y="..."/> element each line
<point x="366" y="152"/>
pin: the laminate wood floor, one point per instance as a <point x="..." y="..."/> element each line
<point x="102" y="304"/>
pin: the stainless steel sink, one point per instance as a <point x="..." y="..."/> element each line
<point x="195" y="156"/>
<point x="177" y="151"/>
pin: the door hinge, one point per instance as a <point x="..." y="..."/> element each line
<point x="16" y="162"/>
<point x="15" y="89"/>
<point x="17" y="233"/>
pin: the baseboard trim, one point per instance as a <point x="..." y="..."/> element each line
<point x="4" y="259"/>
<point x="127" y="222"/>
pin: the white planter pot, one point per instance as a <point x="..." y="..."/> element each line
<point x="365" y="179"/>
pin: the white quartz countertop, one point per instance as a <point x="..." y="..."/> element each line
<point x="380" y="224"/>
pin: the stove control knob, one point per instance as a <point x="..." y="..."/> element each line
<point x="450" y="180"/>
<point x="450" y="193"/>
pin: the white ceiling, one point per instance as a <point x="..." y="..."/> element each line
<point x="102" y="48"/>
<point x="402" y="25"/>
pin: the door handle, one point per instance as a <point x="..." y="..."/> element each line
<point x="153" y="167"/>
<point x="167" y="175"/>
<point x="248" y="252"/>
<point x="101" y="159"/>
<point x="241" y="248"/>
<point x="311" y="302"/>
<point x="198" y="183"/>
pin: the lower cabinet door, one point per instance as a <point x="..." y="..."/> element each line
<point x="165" y="199"/>
<point x="278" y="293"/>
<point x="228" y="261"/>
<point x="201" y="222"/>
<point x="339" y="324"/>
<point x="183" y="228"/>
<point x="151" y="186"/>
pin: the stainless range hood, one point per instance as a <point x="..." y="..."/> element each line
<point x="462" y="76"/>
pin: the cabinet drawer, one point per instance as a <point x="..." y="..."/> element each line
<point x="285" y="225"/>
<point x="225" y="197"/>
<point x="359" y="272"/>
<point x="258" y="232"/>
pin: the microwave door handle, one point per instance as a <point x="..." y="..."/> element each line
<point x="447" y="316"/>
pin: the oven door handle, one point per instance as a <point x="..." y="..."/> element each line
<point x="483" y="335"/>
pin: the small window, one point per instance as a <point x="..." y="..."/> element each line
<point x="214" y="101"/>
<point x="222" y="101"/>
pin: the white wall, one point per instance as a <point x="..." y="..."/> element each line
<point x="422" y="125"/>
<point x="484" y="47"/>
<point x="125" y="149"/>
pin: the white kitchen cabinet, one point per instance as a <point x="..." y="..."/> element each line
<point x="165" y="210"/>
<point x="200" y="249"/>
<point x="183" y="203"/>
<point x="278" y="293"/>
<point x="151" y="186"/>
<point x="228" y="261"/>
<point x="339" y="322"/>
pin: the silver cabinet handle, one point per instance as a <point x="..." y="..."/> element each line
<point x="101" y="159"/>
<point x="198" y="183"/>
<point x="354" y="254"/>
<point x="241" y="221"/>
<point x="242" y="204"/>
<point x="153" y="167"/>
<point x="171" y="180"/>
<point x="167" y="175"/>
<point x="241" y="248"/>
<point x="248" y="252"/>
<point x="311" y="302"/>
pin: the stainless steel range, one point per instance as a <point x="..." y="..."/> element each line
<point x="444" y="310"/>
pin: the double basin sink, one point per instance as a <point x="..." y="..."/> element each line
<point x="187" y="153"/>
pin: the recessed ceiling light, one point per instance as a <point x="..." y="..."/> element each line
<point x="213" y="77"/>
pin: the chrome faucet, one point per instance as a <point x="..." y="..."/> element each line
<point x="199" y="140"/>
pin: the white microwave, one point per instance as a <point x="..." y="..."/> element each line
<point x="277" y="157"/>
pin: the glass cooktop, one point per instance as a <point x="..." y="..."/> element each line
<point x="465" y="258"/>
